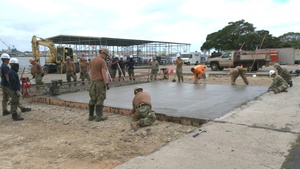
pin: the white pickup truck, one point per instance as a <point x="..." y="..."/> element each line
<point x="230" y="59"/>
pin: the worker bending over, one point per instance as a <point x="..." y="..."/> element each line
<point x="199" y="72"/>
<point x="284" y="73"/>
<point x="236" y="72"/>
<point x="143" y="115"/>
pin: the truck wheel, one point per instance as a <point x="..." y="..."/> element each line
<point x="188" y="63"/>
<point x="58" y="70"/>
<point x="214" y="66"/>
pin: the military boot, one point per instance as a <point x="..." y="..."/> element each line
<point x="91" y="113"/>
<point x="135" y="125"/>
<point x="25" y="109"/>
<point x="6" y="112"/>
<point x="99" y="113"/>
<point x="17" y="117"/>
<point x="181" y="79"/>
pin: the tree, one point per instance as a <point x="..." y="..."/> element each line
<point x="290" y="39"/>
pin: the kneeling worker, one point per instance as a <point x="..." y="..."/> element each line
<point x="143" y="115"/>
<point x="199" y="72"/>
<point x="279" y="84"/>
<point x="236" y="72"/>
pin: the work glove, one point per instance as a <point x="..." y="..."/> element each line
<point x="42" y="74"/>
<point x="18" y="93"/>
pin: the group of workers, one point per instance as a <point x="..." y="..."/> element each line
<point x="11" y="87"/>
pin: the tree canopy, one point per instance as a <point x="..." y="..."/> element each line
<point x="241" y="32"/>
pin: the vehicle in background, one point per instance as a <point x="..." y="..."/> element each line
<point x="192" y="58"/>
<point x="57" y="55"/>
<point x="251" y="60"/>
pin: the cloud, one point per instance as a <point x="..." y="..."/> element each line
<point x="183" y="21"/>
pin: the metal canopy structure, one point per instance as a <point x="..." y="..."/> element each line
<point x="142" y="49"/>
<point x="104" y="41"/>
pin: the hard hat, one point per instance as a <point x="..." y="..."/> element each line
<point x="13" y="61"/>
<point x="271" y="72"/>
<point x="31" y="60"/>
<point x="276" y="65"/>
<point x="136" y="89"/>
<point x="104" y="50"/>
<point x="178" y="55"/>
<point x="68" y="57"/>
<point x="5" y="56"/>
<point x="121" y="57"/>
<point x="130" y="56"/>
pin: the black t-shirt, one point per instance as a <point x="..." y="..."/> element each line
<point x="4" y="70"/>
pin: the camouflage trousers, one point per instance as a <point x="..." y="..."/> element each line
<point x="97" y="93"/>
<point x="145" y="115"/>
<point x="5" y="98"/>
<point x="84" y="75"/>
<point x="236" y="74"/>
<point x="279" y="89"/>
<point x="38" y="79"/>
<point x="131" y="74"/>
<point x="71" y="75"/>
<point x="15" y="101"/>
<point x="154" y="73"/>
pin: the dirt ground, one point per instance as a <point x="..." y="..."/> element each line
<point x="62" y="137"/>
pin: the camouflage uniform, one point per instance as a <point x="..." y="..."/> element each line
<point x="179" y="64"/>
<point x="70" y="71"/>
<point x="154" y="69"/>
<point x="37" y="72"/>
<point x="84" y="74"/>
<point x="278" y="85"/>
<point x="284" y="73"/>
<point x="97" y="93"/>
<point x="143" y="113"/>
<point x="239" y="71"/>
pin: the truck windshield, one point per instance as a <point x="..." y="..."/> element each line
<point x="227" y="55"/>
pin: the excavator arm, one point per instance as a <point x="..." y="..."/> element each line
<point x="43" y="42"/>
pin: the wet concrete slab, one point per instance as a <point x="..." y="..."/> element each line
<point x="198" y="101"/>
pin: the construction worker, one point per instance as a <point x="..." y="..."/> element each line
<point x="84" y="70"/>
<point x="14" y="87"/>
<point x="5" y="82"/>
<point x="37" y="72"/>
<point x="154" y="66"/>
<point x="179" y="64"/>
<point x="99" y="85"/>
<point x="284" y="73"/>
<point x="130" y="67"/>
<point x="199" y="72"/>
<point x="121" y="70"/>
<point x="113" y="64"/>
<point x="142" y="112"/>
<point x="236" y="72"/>
<point x="279" y="84"/>
<point x="70" y="70"/>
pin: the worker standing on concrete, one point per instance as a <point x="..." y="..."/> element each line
<point x="99" y="85"/>
<point x="284" y="73"/>
<point x="179" y="64"/>
<point x="142" y="112"/>
<point x="236" y="72"/>
<point x="154" y="66"/>
<point x="70" y="70"/>
<point x="37" y="72"/>
<point x="121" y="70"/>
<point x="279" y="84"/>
<point x="199" y="72"/>
<point x="84" y="70"/>
<point x="130" y="67"/>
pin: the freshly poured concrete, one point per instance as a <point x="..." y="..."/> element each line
<point x="200" y="101"/>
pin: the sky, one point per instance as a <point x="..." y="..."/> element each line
<point x="182" y="21"/>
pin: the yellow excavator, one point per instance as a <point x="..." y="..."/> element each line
<point x="54" y="62"/>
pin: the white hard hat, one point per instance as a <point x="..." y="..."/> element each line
<point x="121" y="57"/>
<point x="271" y="72"/>
<point x="178" y="55"/>
<point x="5" y="56"/>
<point x="13" y="60"/>
<point x="130" y="56"/>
